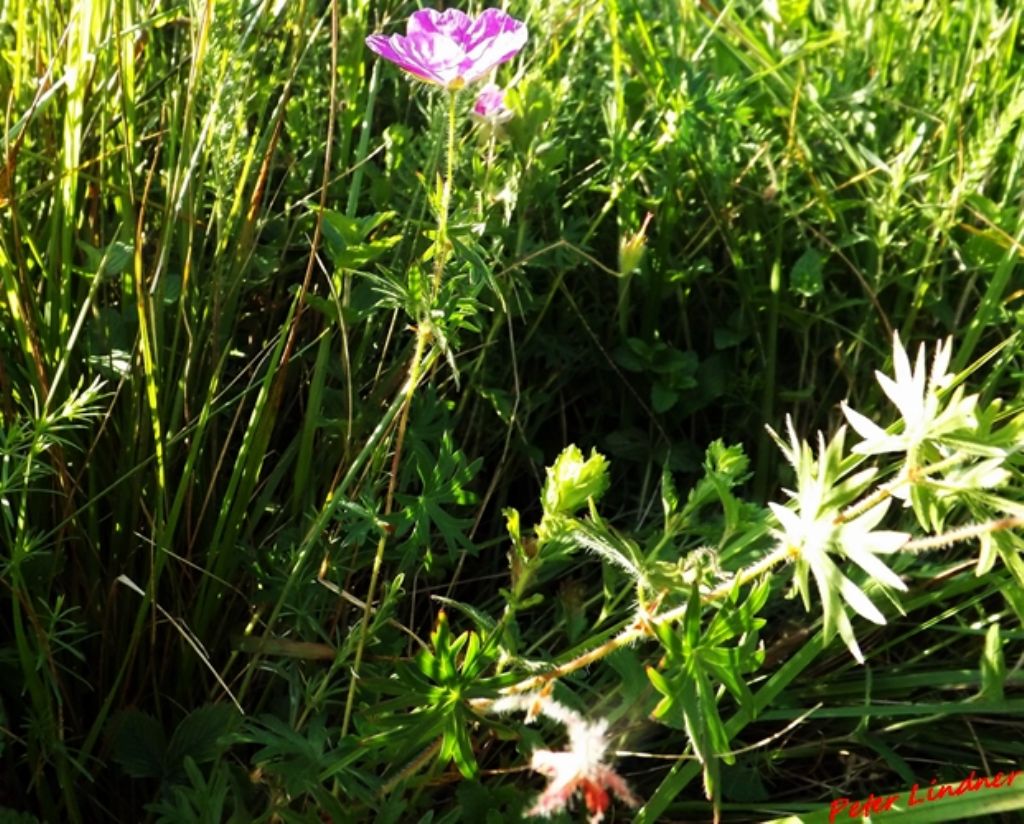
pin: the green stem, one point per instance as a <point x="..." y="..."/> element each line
<point x="441" y="244"/>
<point x="423" y="336"/>
<point x="644" y="628"/>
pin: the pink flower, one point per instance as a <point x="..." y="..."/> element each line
<point x="450" y="48"/>
<point x="582" y="767"/>
<point x="490" y="105"/>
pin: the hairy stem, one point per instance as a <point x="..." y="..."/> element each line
<point x="441" y="242"/>
<point x="644" y="626"/>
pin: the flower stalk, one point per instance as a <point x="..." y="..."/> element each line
<point x="441" y="241"/>
<point x="451" y="50"/>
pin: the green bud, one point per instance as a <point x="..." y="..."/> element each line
<point x="571" y="481"/>
<point x="632" y="248"/>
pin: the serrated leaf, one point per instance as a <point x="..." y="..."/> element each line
<point x="138" y="744"/>
<point x="200" y="735"/>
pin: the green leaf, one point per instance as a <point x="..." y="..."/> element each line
<point x="792" y="12"/>
<point x="805" y="278"/>
<point x="457" y="747"/>
<point x="993" y="666"/>
<point x="668" y="710"/>
<point x="9" y="816"/>
<point x="717" y="737"/>
<point x="200" y="735"/>
<point x="347" y="239"/>
<point x="138" y="744"/>
<point x="663" y="397"/>
<point x="484" y="622"/>
<point x="691" y="623"/>
<point x="445" y="476"/>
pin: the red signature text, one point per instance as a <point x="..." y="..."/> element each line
<point x="843" y="808"/>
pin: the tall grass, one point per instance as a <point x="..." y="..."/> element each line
<point x="217" y="236"/>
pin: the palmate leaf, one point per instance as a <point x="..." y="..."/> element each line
<point x="688" y="701"/>
<point x="348" y="241"/>
<point x="301" y="760"/>
<point x="724" y="468"/>
<point x="444" y="480"/>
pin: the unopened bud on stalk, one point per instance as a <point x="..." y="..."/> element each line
<point x="572" y="480"/>
<point x="632" y="248"/>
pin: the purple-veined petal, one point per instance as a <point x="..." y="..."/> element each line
<point x="493" y="52"/>
<point x="396" y="49"/>
<point x="490" y="24"/>
<point x="451" y="48"/>
<point x="441" y="56"/>
<point x="450" y="23"/>
<point x="432" y="58"/>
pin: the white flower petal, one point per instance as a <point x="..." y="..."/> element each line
<point x="943" y="353"/>
<point x="890" y="443"/>
<point x="885" y="542"/>
<point x="870" y="519"/>
<point x="900" y="361"/>
<point x="901" y="393"/>
<point x="862" y="425"/>
<point x="920" y="372"/>
<point x="790" y="521"/>
<point x="874" y="567"/>
<point x="860" y="602"/>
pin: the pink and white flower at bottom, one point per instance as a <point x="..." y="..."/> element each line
<point x="582" y="767"/>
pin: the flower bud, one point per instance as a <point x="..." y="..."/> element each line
<point x="571" y="481"/>
<point x="490" y="105"/>
<point x="632" y="248"/>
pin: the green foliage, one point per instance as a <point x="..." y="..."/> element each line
<point x="695" y="662"/>
<point x="139" y="747"/>
<point x="258" y="357"/>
